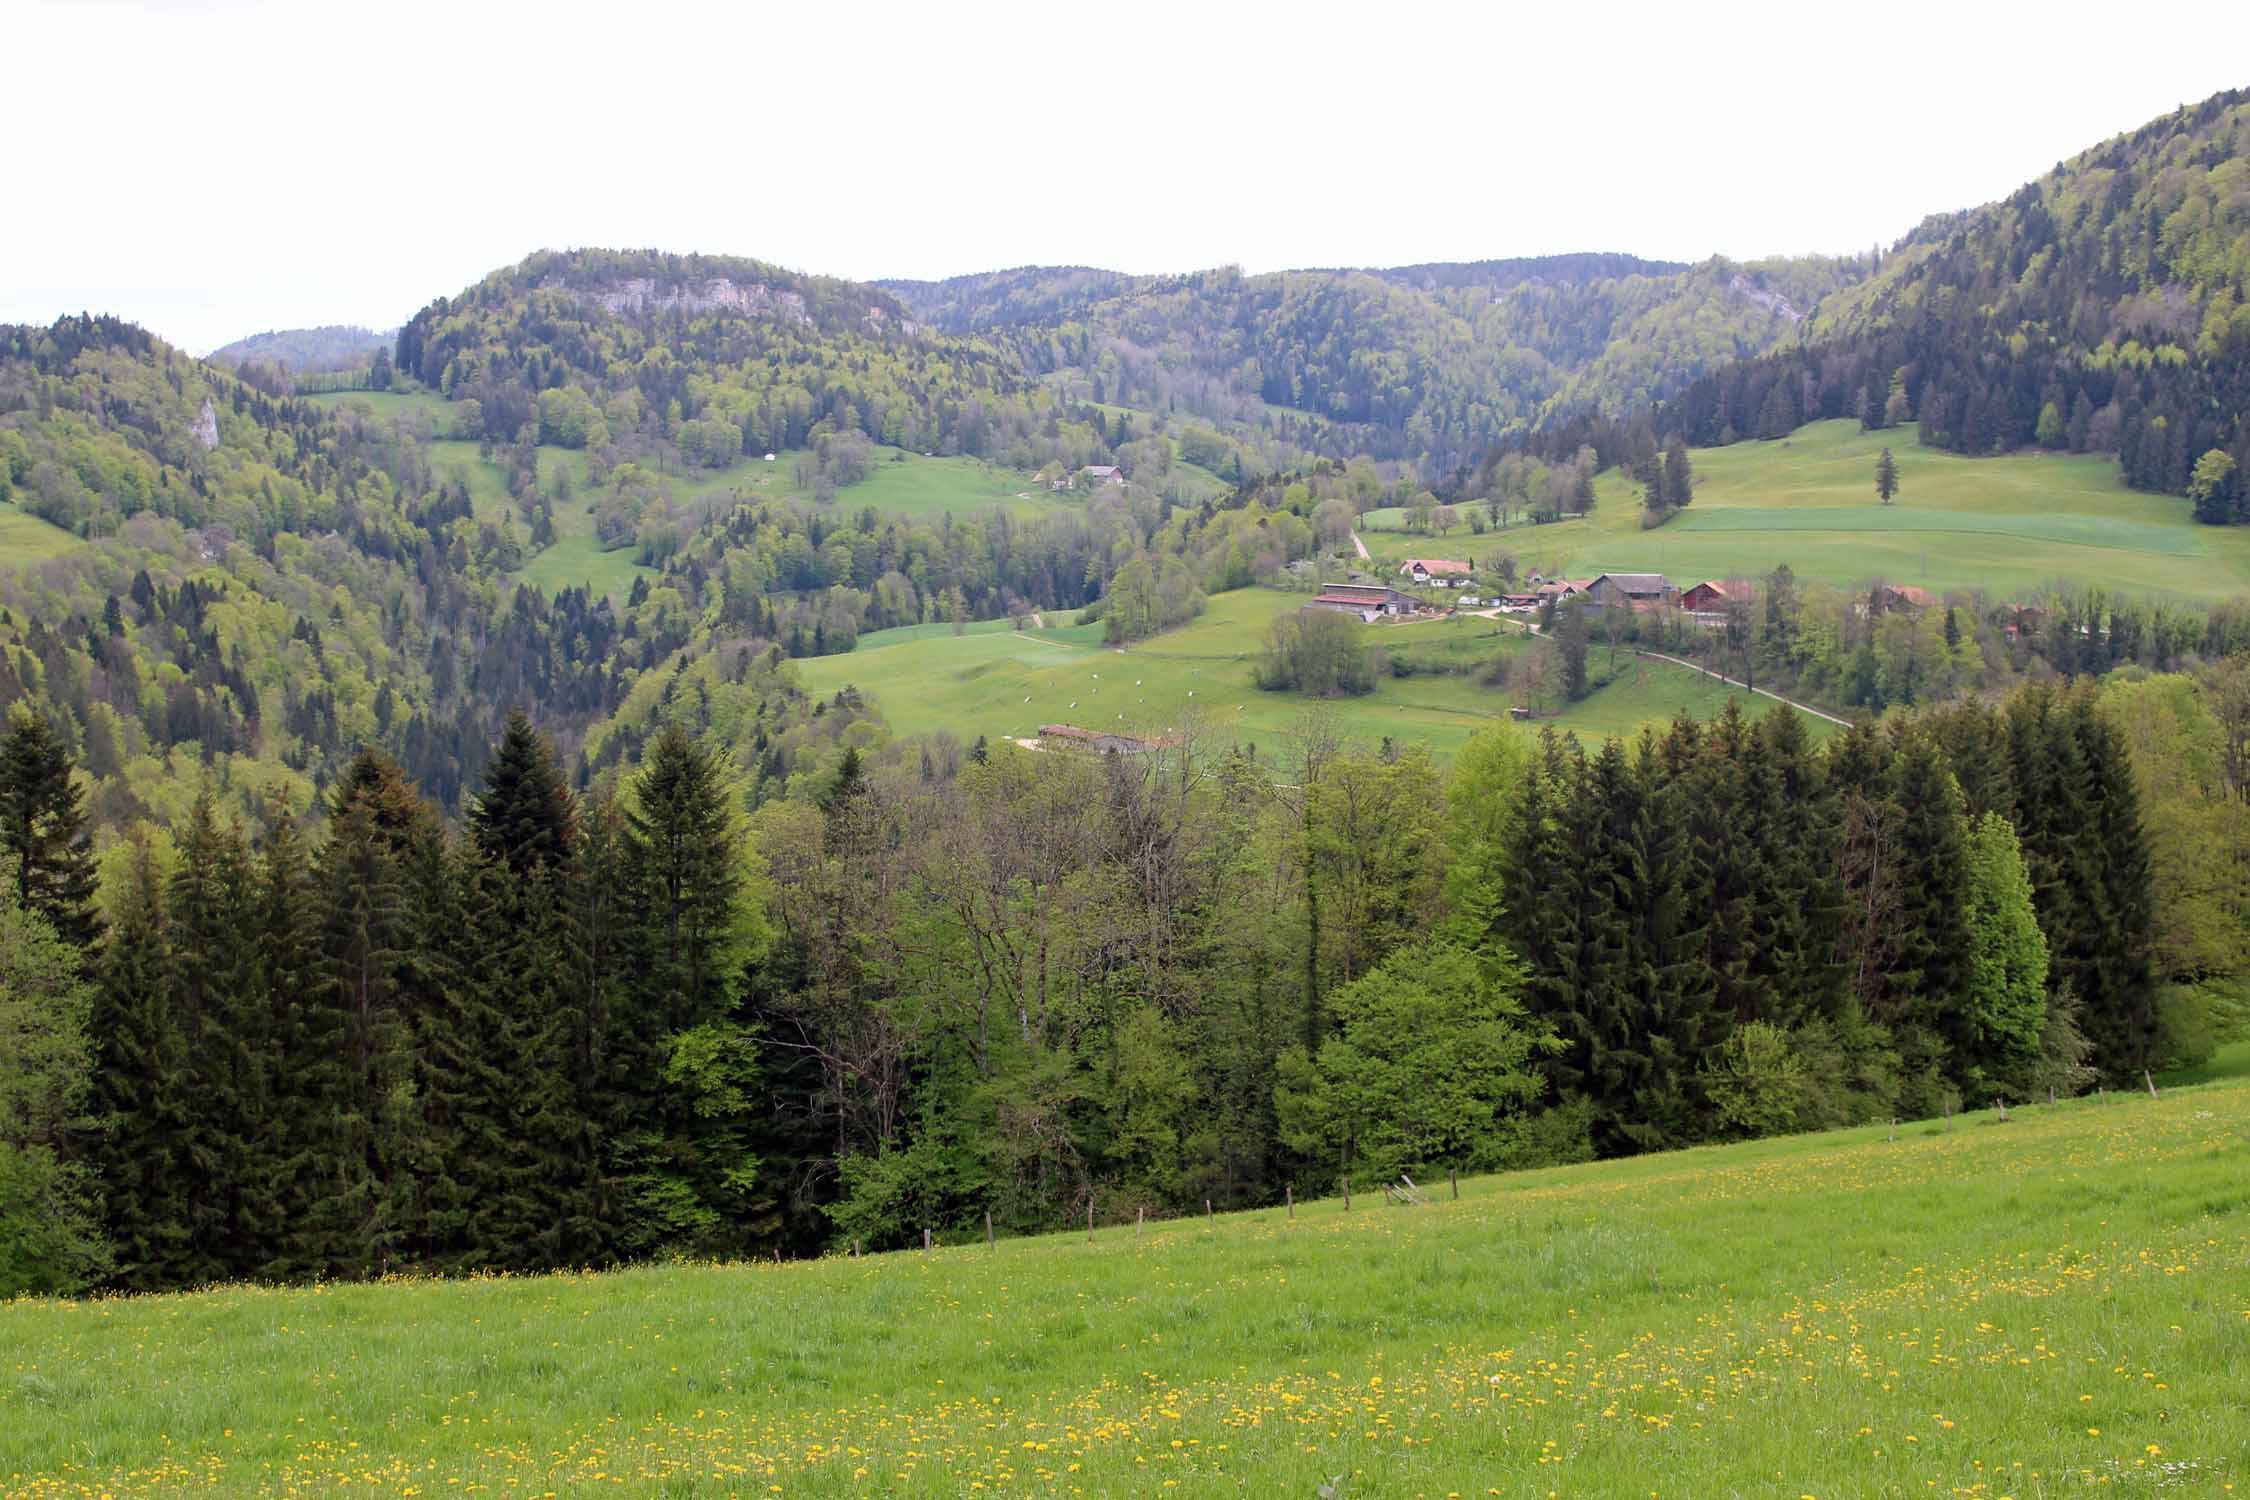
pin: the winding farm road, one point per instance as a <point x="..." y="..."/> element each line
<point x="1362" y="546"/>
<point x="1803" y="708"/>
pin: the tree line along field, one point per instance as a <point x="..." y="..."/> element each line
<point x="1002" y="683"/>
<point x="2008" y="525"/>
<point x="2046" y="1304"/>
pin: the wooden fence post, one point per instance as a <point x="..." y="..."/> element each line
<point x="989" y="1243"/>
<point x="1089" y="1219"/>
<point x="1347" y="1192"/>
<point x="1289" y="1192"/>
<point x="1206" y="1210"/>
<point x="1894" y="1130"/>
<point x="1453" y="1175"/>
<point x="2150" y="1082"/>
<point x="925" y="1239"/>
<point x="1140" y="1217"/>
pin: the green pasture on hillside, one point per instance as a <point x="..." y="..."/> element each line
<point x="2055" y="1304"/>
<point x="2008" y="525"/>
<point x="1004" y="684"/>
<point x="901" y="483"/>
<point x="390" y="405"/>
<point x="28" y="538"/>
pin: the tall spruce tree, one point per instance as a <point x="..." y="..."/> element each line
<point x="223" y="1024"/>
<point x="526" y="816"/>
<point x="1797" y="904"/>
<point x="370" y="1114"/>
<point x="2111" y="964"/>
<point x="1641" y="1019"/>
<point x="44" y="839"/>
<point x="311" y="1092"/>
<point x="1927" y="975"/>
<point x="686" y="1151"/>
<point x="142" y="1095"/>
<point x="541" y="1205"/>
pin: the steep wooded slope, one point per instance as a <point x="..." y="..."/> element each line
<point x="2103" y="308"/>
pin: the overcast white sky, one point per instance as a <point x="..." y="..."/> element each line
<point x="212" y="168"/>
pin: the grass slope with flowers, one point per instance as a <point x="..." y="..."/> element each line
<point x="2055" y="1304"/>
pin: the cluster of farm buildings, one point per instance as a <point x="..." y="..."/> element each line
<point x="1706" y="602"/>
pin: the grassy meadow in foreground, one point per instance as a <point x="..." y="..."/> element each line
<point x="2007" y="525"/>
<point x="1003" y="683"/>
<point x="2028" y="1308"/>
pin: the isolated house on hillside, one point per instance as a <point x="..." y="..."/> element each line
<point x="1370" y="601"/>
<point x="1633" y="590"/>
<point x="1429" y="569"/>
<point x="1094" y="474"/>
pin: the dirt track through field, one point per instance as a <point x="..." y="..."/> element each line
<point x="1804" y="708"/>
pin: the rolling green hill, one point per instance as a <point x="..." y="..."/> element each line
<point x="1003" y="684"/>
<point x="1987" y="1308"/>
<point x="2008" y="525"/>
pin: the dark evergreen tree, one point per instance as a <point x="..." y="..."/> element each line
<point x="310" y="1084"/>
<point x="44" y="839"/>
<point x="220" y="1011"/>
<point x="2110" y="963"/>
<point x="526" y="815"/>
<point x="142" y="1094"/>
<point x="685" y="1153"/>
<point x="357" y="1197"/>
<point x="1929" y="937"/>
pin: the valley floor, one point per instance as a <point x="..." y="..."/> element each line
<point x="1002" y="683"/>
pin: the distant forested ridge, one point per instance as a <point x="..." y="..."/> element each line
<point x="1427" y="364"/>
<point x="305" y="350"/>
<point x="2103" y="308"/>
<point x="771" y="354"/>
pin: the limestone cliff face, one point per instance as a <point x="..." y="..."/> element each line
<point x="1772" y="302"/>
<point x="637" y="295"/>
<point x="641" y="294"/>
<point x="206" y="428"/>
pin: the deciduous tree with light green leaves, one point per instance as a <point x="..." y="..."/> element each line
<point x="1429" y="1065"/>
<point x="50" y="1234"/>
<point x="2003" y="1009"/>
